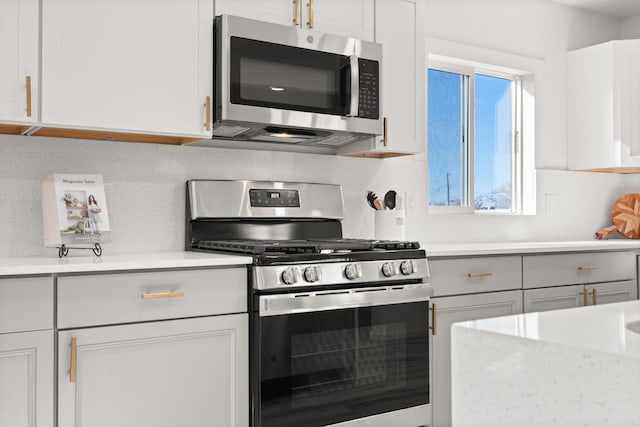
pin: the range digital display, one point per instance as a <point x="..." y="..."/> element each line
<point x="260" y="198"/>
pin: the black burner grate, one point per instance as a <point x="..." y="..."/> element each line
<point x="262" y="247"/>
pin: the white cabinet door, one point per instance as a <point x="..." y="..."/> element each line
<point x="187" y="373"/>
<point x="628" y="63"/>
<point x="604" y="103"/>
<point x="606" y="293"/>
<point x="137" y="67"/>
<point x="19" y="77"/>
<point x="559" y="297"/>
<point x="458" y="309"/>
<point x="400" y="29"/>
<point x="276" y="11"/>
<point x="554" y="298"/>
<point x="353" y="18"/>
<point x="26" y="379"/>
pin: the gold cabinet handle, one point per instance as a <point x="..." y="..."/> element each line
<point x="434" y="319"/>
<point x="594" y="297"/>
<point x="584" y="293"/>
<point x="163" y="295"/>
<point x="74" y="362"/>
<point x="588" y="267"/>
<point x="483" y="274"/>
<point x="207" y="112"/>
<point x="310" y="6"/>
<point x="28" y="85"/>
<point x="296" y="12"/>
<point x="384" y="132"/>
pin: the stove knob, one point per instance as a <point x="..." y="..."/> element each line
<point x="406" y="268"/>
<point x="388" y="270"/>
<point x="290" y="276"/>
<point x="351" y="271"/>
<point x="312" y="274"/>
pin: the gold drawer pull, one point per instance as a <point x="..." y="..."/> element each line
<point x="28" y="85"/>
<point x="74" y="362"/>
<point x="310" y="22"/>
<point x="594" y="296"/>
<point x="163" y="295"/>
<point x="588" y="267"/>
<point x="296" y="12"/>
<point x="434" y="319"/>
<point x="483" y="274"/>
<point x="207" y="112"/>
<point x="585" y="301"/>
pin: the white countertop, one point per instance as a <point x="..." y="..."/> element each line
<point x="85" y="261"/>
<point x="578" y="366"/>
<point x="503" y="248"/>
<point x="599" y="328"/>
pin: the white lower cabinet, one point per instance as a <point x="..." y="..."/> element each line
<point x="187" y="373"/>
<point x="457" y="309"/>
<point x="557" y="281"/>
<point x="26" y="379"/>
<point x="559" y="297"/>
<point x="26" y="352"/>
<point x="153" y="349"/>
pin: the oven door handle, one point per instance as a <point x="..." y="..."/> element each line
<point x="304" y="302"/>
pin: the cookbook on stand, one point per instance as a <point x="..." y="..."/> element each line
<point x="74" y="209"/>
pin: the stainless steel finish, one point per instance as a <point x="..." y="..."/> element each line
<point x="323" y="300"/>
<point x="242" y="122"/>
<point x="416" y="416"/>
<point x="355" y="86"/>
<point x="271" y="276"/>
<point x="230" y="199"/>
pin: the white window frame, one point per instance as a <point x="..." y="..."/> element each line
<point x="470" y="70"/>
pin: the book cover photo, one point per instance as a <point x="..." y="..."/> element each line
<point x="74" y="208"/>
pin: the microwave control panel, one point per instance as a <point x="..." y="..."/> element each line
<point x="369" y="107"/>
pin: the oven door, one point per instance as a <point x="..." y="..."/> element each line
<point x="328" y="357"/>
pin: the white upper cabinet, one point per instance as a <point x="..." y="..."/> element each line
<point x="353" y="18"/>
<point x="143" y="66"/>
<point x="400" y="29"/>
<point x="604" y="106"/>
<point x="19" y="77"/>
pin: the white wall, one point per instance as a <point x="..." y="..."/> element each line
<point x="631" y="27"/>
<point x="146" y="181"/>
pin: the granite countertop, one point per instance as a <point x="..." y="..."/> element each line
<point x="87" y="262"/>
<point x="506" y="248"/>
<point x="578" y="366"/>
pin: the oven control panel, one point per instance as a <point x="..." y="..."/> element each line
<point x="271" y="198"/>
<point x="281" y="276"/>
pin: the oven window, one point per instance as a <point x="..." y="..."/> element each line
<point x="332" y="366"/>
<point x="290" y="78"/>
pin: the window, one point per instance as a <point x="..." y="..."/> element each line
<point x="474" y="120"/>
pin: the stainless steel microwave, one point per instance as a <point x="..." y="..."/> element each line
<point x="285" y="86"/>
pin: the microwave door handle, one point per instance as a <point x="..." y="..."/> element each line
<point x="355" y="86"/>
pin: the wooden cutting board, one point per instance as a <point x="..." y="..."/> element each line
<point x="625" y="215"/>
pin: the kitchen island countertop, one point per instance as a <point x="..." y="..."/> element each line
<point x="577" y="366"/>
<point x="85" y="261"/>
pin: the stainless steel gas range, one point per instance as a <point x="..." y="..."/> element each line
<point x="339" y="327"/>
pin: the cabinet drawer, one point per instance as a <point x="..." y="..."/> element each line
<point x="570" y="269"/>
<point x="473" y="275"/>
<point x="26" y="304"/>
<point x="134" y="297"/>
